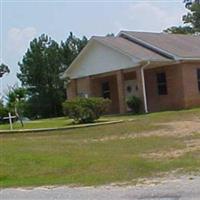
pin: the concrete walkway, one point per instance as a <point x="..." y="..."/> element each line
<point x="184" y="188"/>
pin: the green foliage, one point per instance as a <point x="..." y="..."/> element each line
<point x="191" y="21"/>
<point x="134" y="104"/>
<point x="16" y="101"/>
<point x="86" y="110"/>
<point x="71" y="48"/>
<point x="3" y="69"/>
<point x="180" y="30"/>
<point x="193" y="17"/>
<point x="40" y="72"/>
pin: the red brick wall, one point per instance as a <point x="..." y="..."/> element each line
<point x="191" y="91"/>
<point x="181" y="84"/>
<point x="97" y="91"/>
<point x="92" y="87"/>
<point x="175" y="97"/>
<point x="72" y="89"/>
<point x="84" y="86"/>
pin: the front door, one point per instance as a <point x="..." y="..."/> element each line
<point x="131" y="89"/>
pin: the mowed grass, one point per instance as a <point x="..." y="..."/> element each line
<point x="97" y="155"/>
<point x="43" y="123"/>
<point x="149" y="118"/>
<point x="58" y="122"/>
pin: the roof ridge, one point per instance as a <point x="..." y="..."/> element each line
<point x="160" y="33"/>
<point x="147" y="45"/>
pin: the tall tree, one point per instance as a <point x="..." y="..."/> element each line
<point x="3" y="69"/>
<point x="41" y="69"/>
<point x="40" y="72"/>
<point x="191" y="20"/>
<point x="71" y="48"/>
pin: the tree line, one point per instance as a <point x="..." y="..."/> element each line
<point x="40" y="74"/>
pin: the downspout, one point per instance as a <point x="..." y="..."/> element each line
<point x="144" y="87"/>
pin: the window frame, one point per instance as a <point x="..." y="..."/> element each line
<point x="198" y="78"/>
<point x="106" y="93"/>
<point x="161" y="80"/>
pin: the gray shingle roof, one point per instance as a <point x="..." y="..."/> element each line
<point x="184" y="46"/>
<point x="130" y="48"/>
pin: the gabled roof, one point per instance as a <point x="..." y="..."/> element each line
<point x="141" y="47"/>
<point x="175" y="45"/>
<point x="129" y="48"/>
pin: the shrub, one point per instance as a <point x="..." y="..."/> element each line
<point x="134" y="104"/>
<point x="86" y="110"/>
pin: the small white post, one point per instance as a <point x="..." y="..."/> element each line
<point x="10" y="121"/>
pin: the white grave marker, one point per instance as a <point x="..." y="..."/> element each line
<point x="10" y="117"/>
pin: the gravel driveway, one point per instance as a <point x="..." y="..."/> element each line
<point x="184" y="188"/>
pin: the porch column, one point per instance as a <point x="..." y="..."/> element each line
<point x="72" y="89"/>
<point x="88" y="86"/>
<point x="140" y="85"/>
<point x="121" y="92"/>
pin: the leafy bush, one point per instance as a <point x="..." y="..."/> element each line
<point x="134" y="103"/>
<point x="86" y="110"/>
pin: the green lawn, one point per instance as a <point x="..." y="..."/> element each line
<point x="49" y="123"/>
<point x="64" y="121"/>
<point x="43" y="123"/>
<point x="99" y="155"/>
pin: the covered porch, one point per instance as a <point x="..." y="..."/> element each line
<point x="140" y="81"/>
<point x="115" y="85"/>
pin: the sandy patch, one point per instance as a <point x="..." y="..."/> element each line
<point x="177" y="129"/>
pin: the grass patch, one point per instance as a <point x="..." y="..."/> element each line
<point x="165" y="116"/>
<point x="96" y="155"/>
<point x="46" y="123"/>
<point x="141" y="120"/>
<point x="56" y="159"/>
<point x="43" y="123"/>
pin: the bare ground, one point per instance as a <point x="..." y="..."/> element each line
<point x="177" y="129"/>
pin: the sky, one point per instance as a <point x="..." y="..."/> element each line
<point x="21" y="21"/>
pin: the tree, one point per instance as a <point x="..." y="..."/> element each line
<point x="110" y="35"/>
<point x="193" y="17"/>
<point x="180" y="30"/>
<point x="191" y="20"/>
<point x="71" y="48"/>
<point x="41" y="68"/>
<point x="3" y="69"/>
<point x="40" y="72"/>
<point x="16" y="100"/>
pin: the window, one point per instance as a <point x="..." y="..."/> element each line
<point x="106" y="90"/>
<point x="198" y="78"/>
<point x="162" y="83"/>
<point x="83" y="95"/>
